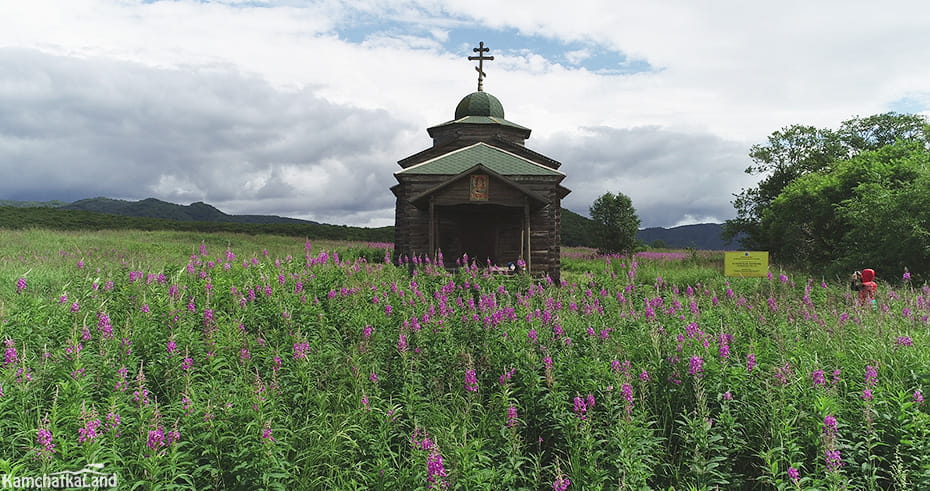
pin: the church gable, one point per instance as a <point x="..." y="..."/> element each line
<point x="500" y="161"/>
<point x="479" y="185"/>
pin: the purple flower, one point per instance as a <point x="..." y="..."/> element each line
<point x="750" y="362"/>
<point x="903" y="341"/>
<point x="471" y="381"/>
<point x="833" y="460"/>
<point x="511" y="416"/>
<point x="829" y="425"/>
<point x="695" y="366"/>
<point x="918" y="397"/>
<point x="10" y="355"/>
<point x="818" y="378"/>
<point x="187" y="364"/>
<point x="793" y="474"/>
<point x="301" y="350"/>
<point x="582" y="405"/>
<point x="266" y="432"/>
<point x="561" y="483"/>
<point x="156" y="438"/>
<point x="20" y="285"/>
<point x="435" y="470"/>
<point x="727" y="396"/>
<point x="867" y="395"/>
<point x="871" y="376"/>
<point x="506" y="376"/>
<point x="44" y="438"/>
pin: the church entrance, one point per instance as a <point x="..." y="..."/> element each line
<point x="488" y="234"/>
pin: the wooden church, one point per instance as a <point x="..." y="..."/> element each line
<point x="479" y="193"/>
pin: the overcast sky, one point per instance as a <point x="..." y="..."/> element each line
<point x="303" y="108"/>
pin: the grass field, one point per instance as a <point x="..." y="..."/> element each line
<point x="184" y="360"/>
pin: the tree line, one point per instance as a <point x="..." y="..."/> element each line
<point x="61" y="219"/>
<point x="837" y="200"/>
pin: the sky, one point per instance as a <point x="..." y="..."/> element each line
<point x="303" y="108"/>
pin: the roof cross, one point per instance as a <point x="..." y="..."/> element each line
<point x="481" y="50"/>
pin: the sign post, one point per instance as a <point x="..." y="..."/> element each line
<point x="746" y="263"/>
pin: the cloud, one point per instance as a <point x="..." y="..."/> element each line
<point x="672" y="177"/>
<point x="73" y="129"/>
<point x="303" y="108"/>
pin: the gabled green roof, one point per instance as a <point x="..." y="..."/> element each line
<point x="482" y="120"/>
<point x="499" y="161"/>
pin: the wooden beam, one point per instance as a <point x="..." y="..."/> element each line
<point x="432" y="228"/>
<point x="526" y="217"/>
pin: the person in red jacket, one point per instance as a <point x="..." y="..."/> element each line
<point x="864" y="282"/>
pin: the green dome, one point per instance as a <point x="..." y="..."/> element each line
<point x="479" y="104"/>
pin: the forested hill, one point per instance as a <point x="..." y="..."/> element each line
<point x="153" y="208"/>
<point x="153" y="214"/>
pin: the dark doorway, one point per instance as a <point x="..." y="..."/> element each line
<point x="486" y="233"/>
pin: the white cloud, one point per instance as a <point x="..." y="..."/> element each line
<point x="260" y="107"/>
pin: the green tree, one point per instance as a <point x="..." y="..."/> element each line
<point x="872" y="210"/>
<point x="615" y="223"/>
<point x="798" y="150"/>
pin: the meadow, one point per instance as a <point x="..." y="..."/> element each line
<point x="225" y="361"/>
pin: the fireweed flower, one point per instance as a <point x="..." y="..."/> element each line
<point x="818" y="378"/>
<point x="506" y="376"/>
<point x="44" y="439"/>
<point x="187" y="364"/>
<point x="435" y="470"/>
<point x="626" y="390"/>
<point x="156" y="438"/>
<point x="20" y="285"/>
<point x="695" y="366"/>
<point x="918" y="397"/>
<point x="794" y="474"/>
<point x="829" y="426"/>
<point x="266" y="433"/>
<point x="471" y="381"/>
<point x="10" y="355"/>
<point x="561" y="483"/>
<point x="301" y="350"/>
<point x="113" y="421"/>
<point x="833" y="460"/>
<point x="511" y="416"/>
<point x="91" y="425"/>
<point x="871" y="376"/>
<point x="750" y="362"/>
<point x="104" y="325"/>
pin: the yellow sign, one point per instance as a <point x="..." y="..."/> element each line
<point x="746" y="263"/>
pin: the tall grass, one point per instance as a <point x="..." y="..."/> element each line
<point x="179" y="360"/>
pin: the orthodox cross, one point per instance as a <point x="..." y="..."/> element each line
<point x="481" y="50"/>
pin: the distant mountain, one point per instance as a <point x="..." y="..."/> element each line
<point x="32" y="204"/>
<point x="153" y="208"/>
<point x="704" y="236"/>
<point x="576" y="231"/>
